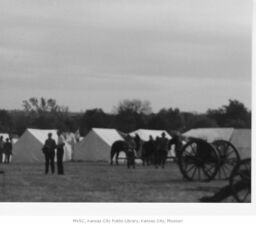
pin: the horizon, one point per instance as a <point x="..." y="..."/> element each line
<point x="113" y="109"/>
<point x="193" y="56"/>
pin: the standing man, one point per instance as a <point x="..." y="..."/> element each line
<point x="1" y="148"/>
<point x="49" y="152"/>
<point x="148" y="149"/>
<point x="137" y="141"/>
<point x="163" y="146"/>
<point x="130" y="152"/>
<point x="60" y="152"/>
<point x="156" y="152"/>
<point x="7" y="150"/>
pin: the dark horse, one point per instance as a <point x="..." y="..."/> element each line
<point x="127" y="148"/>
<point x="116" y="148"/>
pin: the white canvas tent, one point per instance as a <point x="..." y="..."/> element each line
<point x="29" y="146"/>
<point x="240" y="138"/>
<point x="96" y="145"/>
<point x="145" y="133"/>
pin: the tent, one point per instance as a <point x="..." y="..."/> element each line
<point x="240" y="138"/>
<point x="145" y="133"/>
<point x="29" y="146"/>
<point x="96" y="145"/>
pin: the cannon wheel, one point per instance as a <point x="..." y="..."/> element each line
<point x="240" y="181"/>
<point x="198" y="160"/>
<point x="228" y="158"/>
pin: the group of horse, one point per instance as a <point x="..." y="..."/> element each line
<point x="151" y="152"/>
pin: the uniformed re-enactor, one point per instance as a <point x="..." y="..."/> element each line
<point x="49" y="153"/>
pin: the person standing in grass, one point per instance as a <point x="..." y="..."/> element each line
<point x="156" y="152"/>
<point x="60" y="153"/>
<point x="130" y="152"/>
<point x="49" y="153"/>
<point x="1" y="148"/>
<point x="7" y="150"/>
<point x="163" y="149"/>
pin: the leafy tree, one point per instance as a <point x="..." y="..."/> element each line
<point x="170" y="119"/>
<point x="94" y="118"/>
<point x="235" y="114"/>
<point x="46" y="113"/>
<point x="132" y="114"/>
<point x="5" y="122"/>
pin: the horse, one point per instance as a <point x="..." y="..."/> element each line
<point x="128" y="147"/>
<point x="116" y="148"/>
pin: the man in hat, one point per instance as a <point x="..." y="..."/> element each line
<point x="163" y="148"/>
<point x="1" y="148"/>
<point x="7" y="150"/>
<point x="49" y="152"/>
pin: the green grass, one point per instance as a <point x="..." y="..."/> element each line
<point x="99" y="182"/>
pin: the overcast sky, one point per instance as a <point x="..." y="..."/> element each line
<point x="190" y="54"/>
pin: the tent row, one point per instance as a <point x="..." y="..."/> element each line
<point x="97" y="144"/>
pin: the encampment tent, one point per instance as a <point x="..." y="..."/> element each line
<point x="240" y="138"/>
<point x="145" y="133"/>
<point x="29" y="146"/>
<point x="96" y="145"/>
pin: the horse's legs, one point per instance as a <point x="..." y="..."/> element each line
<point x="117" y="155"/>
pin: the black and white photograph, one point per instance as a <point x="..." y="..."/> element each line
<point x="125" y="101"/>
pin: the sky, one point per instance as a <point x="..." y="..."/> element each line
<point x="193" y="55"/>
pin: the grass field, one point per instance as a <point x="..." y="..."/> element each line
<point x="99" y="182"/>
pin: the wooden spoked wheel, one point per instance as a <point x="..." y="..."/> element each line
<point x="228" y="158"/>
<point x="198" y="160"/>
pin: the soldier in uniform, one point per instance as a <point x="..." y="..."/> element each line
<point x="163" y="148"/>
<point x="138" y="142"/>
<point x="148" y="149"/>
<point x="49" y="152"/>
<point x="1" y="148"/>
<point x="156" y="152"/>
<point x="7" y="150"/>
<point x="130" y="152"/>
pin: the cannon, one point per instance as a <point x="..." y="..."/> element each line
<point x="240" y="181"/>
<point x="203" y="161"/>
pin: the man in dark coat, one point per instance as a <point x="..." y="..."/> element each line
<point x="156" y="152"/>
<point x="163" y="148"/>
<point x="137" y="141"/>
<point x="49" y="152"/>
<point x="148" y="150"/>
<point x="1" y="148"/>
<point x="130" y="152"/>
<point x="7" y="150"/>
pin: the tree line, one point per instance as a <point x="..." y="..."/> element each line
<point x="127" y="116"/>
